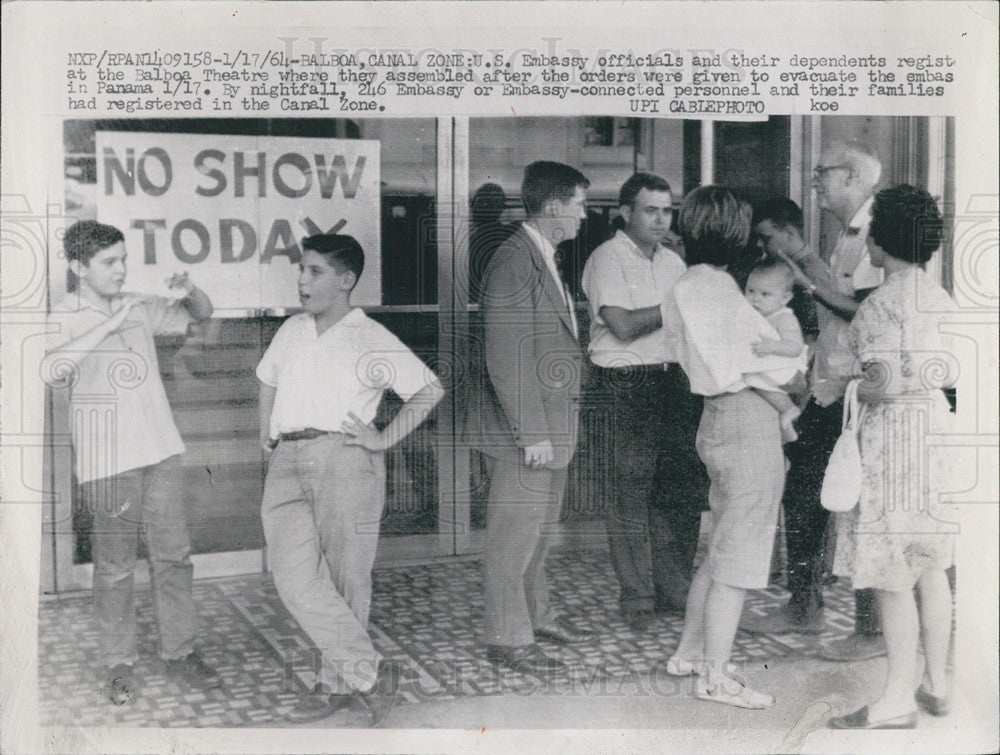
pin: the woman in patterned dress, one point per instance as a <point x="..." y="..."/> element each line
<point x="901" y="535"/>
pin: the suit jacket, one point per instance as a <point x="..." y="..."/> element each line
<point x="534" y="362"/>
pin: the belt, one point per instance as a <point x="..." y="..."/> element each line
<point x="310" y="433"/>
<point x="638" y="368"/>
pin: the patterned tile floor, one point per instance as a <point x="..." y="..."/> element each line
<point x="427" y="616"/>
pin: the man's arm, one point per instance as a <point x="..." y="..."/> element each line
<point x="409" y="417"/>
<point x="813" y="273"/>
<point x="509" y="320"/>
<point x="265" y="404"/>
<point x="629" y="324"/>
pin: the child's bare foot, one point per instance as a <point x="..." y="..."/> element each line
<point x="787" y="419"/>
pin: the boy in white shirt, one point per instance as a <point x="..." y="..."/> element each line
<point x="322" y="379"/>
<point x="127" y="450"/>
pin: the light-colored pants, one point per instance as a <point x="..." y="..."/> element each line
<point x="739" y="440"/>
<point x="521" y="517"/>
<point x="322" y="506"/>
<point x="148" y="500"/>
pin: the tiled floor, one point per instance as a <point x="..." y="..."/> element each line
<point x="428" y="616"/>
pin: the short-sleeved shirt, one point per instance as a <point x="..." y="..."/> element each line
<point x="713" y="328"/>
<point x="322" y="377"/>
<point x="852" y="271"/>
<point x="618" y="274"/>
<point x="121" y="418"/>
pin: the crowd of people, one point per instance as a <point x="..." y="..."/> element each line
<point x="711" y="394"/>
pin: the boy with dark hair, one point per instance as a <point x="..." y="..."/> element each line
<point x="127" y="449"/>
<point x="322" y="379"/>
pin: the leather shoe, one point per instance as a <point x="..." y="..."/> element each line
<point x="193" y="670"/>
<point x="781" y="621"/>
<point x="317" y="704"/>
<point x="524" y="659"/>
<point x="639" y="621"/>
<point x="936" y="706"/>
<point x="381" y="697"/>
<point x="120" y="687"/>
<point x="563" y="634"/>
<point x="856" y="647"/>
<point x="859" y="720"/>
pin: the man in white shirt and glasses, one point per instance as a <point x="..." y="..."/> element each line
<point x="844" y="183"/>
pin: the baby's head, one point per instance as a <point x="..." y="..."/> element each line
<point x="769" y="287"/>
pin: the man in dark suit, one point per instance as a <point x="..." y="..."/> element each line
<point x="526" y="417"/>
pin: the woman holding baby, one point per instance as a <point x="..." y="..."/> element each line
<point x="739" y="437"/>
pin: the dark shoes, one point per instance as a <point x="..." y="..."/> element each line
<point x="320" y="702"/>
<point x="638" y="621"/>
<point x="782" y="621"/>
<point x="192" y="670"/>
<point x="563" y="633"/>
<point x="859" y="720"/>
<point x="317" y="704"/>
<point x="119" y="686"/>
<point x="380" y="698"/>
<point x="936" y="706"/>
<point x="855" y="647"/>
<point x="524" y="659"/>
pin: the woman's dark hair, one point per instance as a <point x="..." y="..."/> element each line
<point x="906" y="223"/>
<point x="714" y="224"/>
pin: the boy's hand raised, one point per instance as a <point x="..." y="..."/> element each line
<point x="361" y="434"/>
<point x="181" y="283"/>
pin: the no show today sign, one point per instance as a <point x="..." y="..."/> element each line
<point x="232" y="210"/>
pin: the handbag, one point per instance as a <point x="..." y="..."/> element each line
<point x="842" y="479"/>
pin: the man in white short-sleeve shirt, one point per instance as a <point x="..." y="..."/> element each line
<point x="321" y="381"/>
<point x="657" y="483"/>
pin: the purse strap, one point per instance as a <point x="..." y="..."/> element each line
<point x="852" y="407"/>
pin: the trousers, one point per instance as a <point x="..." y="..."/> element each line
<point x="146" y="502"/>
<point x="658" y="485"/>
<point x="521" y="517"/>
<point x="321" y="511"/>
<point x="806" y="520"/>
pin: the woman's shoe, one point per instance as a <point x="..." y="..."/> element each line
<point x="679" y="667"/>
<point x="859" y="720"/>
<point x="936" y="706"/>
<point x="734" y="692"/>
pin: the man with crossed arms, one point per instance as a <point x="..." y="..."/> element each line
<point x="657" y="481"/>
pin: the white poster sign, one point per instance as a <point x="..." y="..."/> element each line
<point x="232" y="210"/>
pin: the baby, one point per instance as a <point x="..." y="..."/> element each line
<point x="769" y="289"/>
